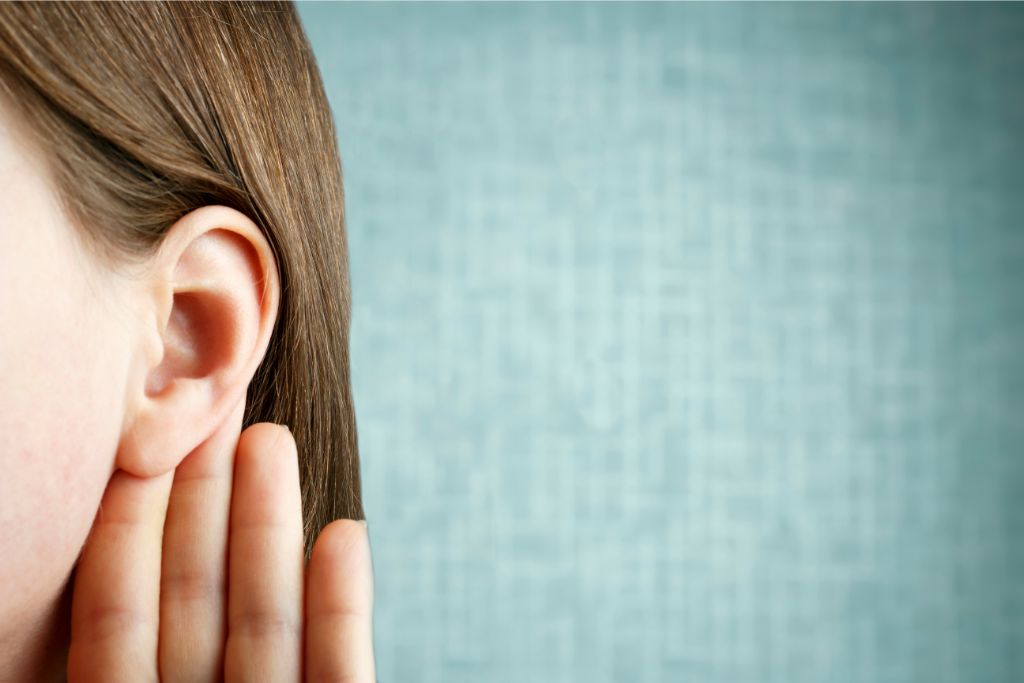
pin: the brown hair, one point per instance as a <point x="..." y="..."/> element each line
<point x="146" y="111"/>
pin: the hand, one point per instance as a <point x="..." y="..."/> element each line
<point x="199" y="575"/>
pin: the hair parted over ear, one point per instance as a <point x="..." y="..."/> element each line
<point x="145" y="112"/>
<point x="213" y="291"/>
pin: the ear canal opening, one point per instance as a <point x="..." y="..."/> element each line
<point x="193" y="348"/>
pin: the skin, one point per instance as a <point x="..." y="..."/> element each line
<point x="143" y="534"/>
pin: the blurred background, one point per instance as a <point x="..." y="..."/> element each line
<point x="687" y="338"/>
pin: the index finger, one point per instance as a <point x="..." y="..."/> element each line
<point x="339" y="605"/>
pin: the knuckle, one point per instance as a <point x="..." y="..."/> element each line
<point x="191" y="585"/>
<point x="265" y="624"/>
<point x="114" y="621"/>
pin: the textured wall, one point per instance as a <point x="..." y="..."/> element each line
<point x="687" y="341"/>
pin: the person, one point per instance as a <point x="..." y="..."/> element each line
<point x="179" y="471"/>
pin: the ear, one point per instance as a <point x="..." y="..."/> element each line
<point x="209" y="300"/>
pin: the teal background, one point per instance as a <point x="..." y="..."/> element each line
<point x="687" y="339"/>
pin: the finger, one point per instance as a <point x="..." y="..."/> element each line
<point x="116" y="602"/>
<point x="265" y="566"/>
<point x="339" y="605"/>
<point x="193" y="580"/>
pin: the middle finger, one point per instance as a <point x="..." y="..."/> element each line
<point x="266" y="562"/>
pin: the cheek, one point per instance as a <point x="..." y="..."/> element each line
<point x="60" y="414"/>
<point x="51" y="481"/>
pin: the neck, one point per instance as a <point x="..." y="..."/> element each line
<point x="37" y="649"/>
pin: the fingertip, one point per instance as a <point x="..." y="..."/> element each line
<point x="267" y="455"/>
<point x="266" y="477"/>
<point x="267" y="436"/>
<point x="341" y="539"/>
<point x="342" y="565"/>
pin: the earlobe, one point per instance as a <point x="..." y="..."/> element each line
<point x="211" y="294"/>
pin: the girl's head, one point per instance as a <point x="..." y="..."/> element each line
<point x="171" y="242"/>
